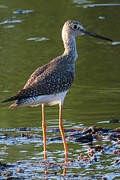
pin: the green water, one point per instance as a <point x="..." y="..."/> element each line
<point x="95" y="94"/>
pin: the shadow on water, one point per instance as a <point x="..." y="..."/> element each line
<point x="30" y="37"/>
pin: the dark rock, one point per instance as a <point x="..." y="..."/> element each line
<point x="84" y="139"/>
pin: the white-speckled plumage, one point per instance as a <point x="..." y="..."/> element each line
<point x="56" y="77"/>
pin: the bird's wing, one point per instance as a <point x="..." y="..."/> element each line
<point x="51" y="78"/>
<point x="36" y="73"/>
<point x="46" y="85"/>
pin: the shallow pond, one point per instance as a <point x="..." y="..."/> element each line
<point x="30" y="36"/>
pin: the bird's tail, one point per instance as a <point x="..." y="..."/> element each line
<point x="10" y="99"/>
<point x="13" y="98"/>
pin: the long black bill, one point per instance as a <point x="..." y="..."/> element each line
<point x="96" y="36"/>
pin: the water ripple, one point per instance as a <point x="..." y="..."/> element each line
<point x="38" y="39"/>
<point x="9" y="26"/>
<point x="11" y="21"/>
<point x="3" y="6"/>
<point x="82" y="1"/>
<point x="115" y="43"/>
<point x="22" y="11"/>
<point x="101" y="5"/>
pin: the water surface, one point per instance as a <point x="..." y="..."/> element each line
<point x="30" y="36"/>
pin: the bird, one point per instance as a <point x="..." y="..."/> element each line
<point x="49" y="84"/>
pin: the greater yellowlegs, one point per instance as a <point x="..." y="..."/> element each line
<point x="50" y="83"/>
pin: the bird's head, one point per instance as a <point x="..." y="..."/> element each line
<point x="75" y="28"/>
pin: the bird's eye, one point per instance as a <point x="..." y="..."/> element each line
<point x="75" y="27"/>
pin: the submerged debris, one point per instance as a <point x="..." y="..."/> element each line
<point x="27" y="135"/>
<point x="87" y="135"/>
<point x="99" y="143"/>
<point x="83" y="135"/>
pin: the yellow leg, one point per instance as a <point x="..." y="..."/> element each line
<point x="44" y="131"/>
<point x="62" y="132"/>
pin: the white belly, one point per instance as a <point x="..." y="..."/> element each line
<point x="45" y="99"/>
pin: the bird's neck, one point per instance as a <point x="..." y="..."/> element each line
<point x="70" y="46"/>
